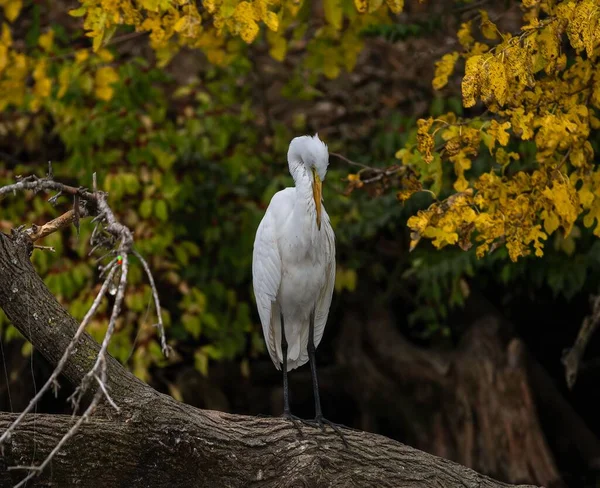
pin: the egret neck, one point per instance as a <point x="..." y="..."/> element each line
<point x="307" y="208"/>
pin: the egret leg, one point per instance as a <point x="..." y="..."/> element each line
<point x="319" y="419"/>
<point x="286" y="392"/>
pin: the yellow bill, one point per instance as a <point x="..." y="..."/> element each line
<point x="317" y="195"/>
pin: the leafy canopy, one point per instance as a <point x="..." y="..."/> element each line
<point x="541" y="91"/>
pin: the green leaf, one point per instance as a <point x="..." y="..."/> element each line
<point x="146" y="208"/>
<point x="160" y="210"/>
<point x="192" y="324"/>
<point x="201" y="362"/>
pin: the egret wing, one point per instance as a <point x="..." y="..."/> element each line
<point x="324" y="300"/>
<point x="266" y="277"/>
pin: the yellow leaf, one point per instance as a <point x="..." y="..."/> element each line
<point x="331" y="69"/>
<point x="488" y="28"/>
<point x="64" y="80"/>
<point x="81" y="55"/>
<point x="464" y="35"/>
<point x="425" y="142"/>
<point x="551" y="221"/>
<point x="105" y="55"/>
<point x="496" y="83"/>
<point x="565" y="202"/>
<point x="522" y="123"/>
<point x="3" y="57"/>
<point x="498" y="133"/>
<point x="361" y="5"/>
<point x="244" y="22"/>
<point x="272" y="21"/>
<point x="471" y="83"/>
<point x="12" y="8"/>
<point x="444" y="69"/>
<point x="549" y="40"/>
<point x="395" y="6"/>
<point x="105" y="77"/>
<point x="333" y="12"/>
<point x="6" y="35"/>
<point x="278" y="46"/>
<point x="461" y="164"/>
<point x="97" y="42"/>
<point x="46" y="41"/>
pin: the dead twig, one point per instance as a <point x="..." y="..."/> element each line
<point x="39" y="232"/>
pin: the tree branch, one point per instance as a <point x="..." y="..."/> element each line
<point x="36" y="232"/>
<point x="187" y="447"/>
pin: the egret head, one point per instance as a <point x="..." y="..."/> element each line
<point x="308" y="156"/>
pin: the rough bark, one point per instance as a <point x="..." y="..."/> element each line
<point x="174" y="445"/>
<point x="158" y="442"/>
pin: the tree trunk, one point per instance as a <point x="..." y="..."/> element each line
<point x="473" y="405"/>
<point x="157" y="441"/>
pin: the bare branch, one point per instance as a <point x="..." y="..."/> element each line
<point x="353" y="163"/>
<point x="572" y="358"/>
<point x="100" y="364"/>
<point x="44" y="248"/>
<point x="160" y="325"/>
<point x="36" y="233"/>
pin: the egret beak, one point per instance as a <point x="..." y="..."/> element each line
<point x="317" y="195"/>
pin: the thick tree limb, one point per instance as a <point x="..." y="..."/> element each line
<point x="174" y="445"/>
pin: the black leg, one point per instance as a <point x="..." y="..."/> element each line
<point x="313" y="365"/>
<point x="319" y="419"/>
<point x="286" y="392"/>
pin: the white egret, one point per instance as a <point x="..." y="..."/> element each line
<point x="293" y="267"/>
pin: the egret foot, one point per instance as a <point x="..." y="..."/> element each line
<point x="321" y="422"/>
<point x="296" y="421"/>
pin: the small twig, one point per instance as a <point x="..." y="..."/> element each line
<point x="44" y="248"/>
<point x="105" y="391"/>
<point x="160" y="325"/>
<point x="349" y="161"/>
<point x="384" y="174"/>
<point x="572" y="358"/>
<point x="76" y="213"/>
<point x="52" y="200"/>
<point x="100" y="364"/>
<point x="563" y="160"/>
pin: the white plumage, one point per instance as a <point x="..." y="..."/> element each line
<point x="293" y="264"/>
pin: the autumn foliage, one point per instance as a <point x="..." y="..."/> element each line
<point x="540" y="86"/>
<point x="509" y="168"/>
